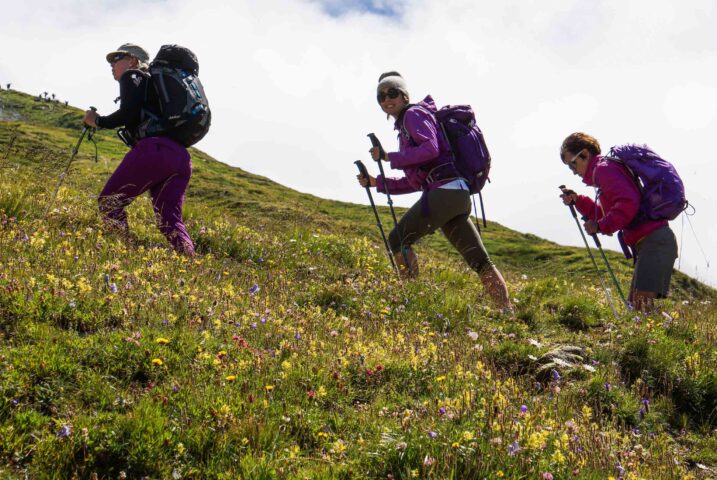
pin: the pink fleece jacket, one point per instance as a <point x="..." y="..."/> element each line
<point x="618" y="201"/>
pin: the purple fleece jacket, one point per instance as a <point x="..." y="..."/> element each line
<point x="421" y="144"/>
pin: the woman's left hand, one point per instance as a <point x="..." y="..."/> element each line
<point x="591" y="226"/>
<point x="91" y="118"/>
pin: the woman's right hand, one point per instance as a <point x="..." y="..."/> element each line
<point x="366" y="181"/>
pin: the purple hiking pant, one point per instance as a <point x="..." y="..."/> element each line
<point x="163" y="167"/>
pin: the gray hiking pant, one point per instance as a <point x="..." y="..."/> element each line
<point x="449" y="210"/>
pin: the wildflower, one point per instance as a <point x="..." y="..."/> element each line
<point x="321" y="392"/>
<point x="339" y="447"/>
<point x="414" y="473"/>
<point x="253" y="325"/>
<point x="428" y="461"/>
<point x="473" y="335"/>
<point x="297" y="336"/>
<point x="587" y="412"/>
<point x="175" y="388"/>
<point x="455" y="445"/>
<point x="64" y="432"/>
<point x="555" y="375"/>
<point x="467" y="436"/>
<point x="500" y="474"/>
<point x="558" y="457"/>
<point x="311" y="394"/>
<point x="269" y="388"/>
<point x="157" y="361"/>
<point x="254" y="289"/>
<point x="547" y="476"/>
<point x="162" y="341"/>
<point x="607" y="386"/>
<point x="523" y="409"/>
<point x="513" y="448"/>
<point x="432" y="434"/>
<point x="230" y="378"/>
<point x="401" y="446"/>
<point x="442" y="411"/>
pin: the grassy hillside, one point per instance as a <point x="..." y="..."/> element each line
<point x="287" y="349"/>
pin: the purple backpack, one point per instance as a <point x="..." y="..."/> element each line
<point x="468" y="148"/>
<point x="661" y="188"/>
<point x="470" y="153"/>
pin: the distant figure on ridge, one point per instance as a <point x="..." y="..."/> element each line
<point x="155" y="163"/>
<point x="618" y="207"/>
<point x="446" y="202"/>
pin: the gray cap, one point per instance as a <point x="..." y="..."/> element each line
<point x="130" y="49"/>
<point x="393" y="81"/>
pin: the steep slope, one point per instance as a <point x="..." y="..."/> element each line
<point x="288" y="350"/>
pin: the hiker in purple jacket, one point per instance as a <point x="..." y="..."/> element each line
<point x="445" y="204"/>
<point x="158" y="164"/>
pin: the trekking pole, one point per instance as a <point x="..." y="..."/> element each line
<point x="85" y="130"/>
<point x="364" y="174"/>
<point x="609" y="268"/>
<point x="382" y="154"/>
<point x="592" y="257"/>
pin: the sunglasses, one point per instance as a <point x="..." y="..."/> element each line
<point x="572" y="163"/>
<point x="390" y="93"/>
<point x="117" y="57"/>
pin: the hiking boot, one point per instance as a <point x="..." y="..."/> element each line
<point x="407" y="263"/>
<point x="496" y="289"/>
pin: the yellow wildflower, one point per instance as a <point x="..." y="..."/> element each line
<point x="157" y="361"/>
<point x="162" y="341"/>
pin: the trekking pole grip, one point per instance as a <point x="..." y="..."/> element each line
<point x="376" y="143"/>
<point x="571" y="205"/>
<point x="362" y="168"/>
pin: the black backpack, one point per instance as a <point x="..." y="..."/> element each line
<point x="180" y="110"/>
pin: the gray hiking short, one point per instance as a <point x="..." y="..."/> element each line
<point x="656" y="254"/>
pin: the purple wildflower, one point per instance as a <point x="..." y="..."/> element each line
<point x="297" y="336"/>
<point x="442" y="410"/>
<point x="253" y="325"/>
<point x="513" y="448"/>
<point x="175" y="388"/>
<point x="64" y="432"/>
<point x="253" y="290"/>
<point x="432" y="434"/>
<point x="555" y="375"/>
<point x="523" y="409"/>
<point x="607" y="386"/>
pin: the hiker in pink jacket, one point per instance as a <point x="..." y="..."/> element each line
<point x="445" y="203"/>
<point x="158" y="164"/>
<point x="614" y="211"/>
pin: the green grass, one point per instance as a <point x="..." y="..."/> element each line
<point x="124" y="357"/>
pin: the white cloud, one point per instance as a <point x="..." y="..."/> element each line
<point x="292" y="88"/>
<point x="691" y="106"/>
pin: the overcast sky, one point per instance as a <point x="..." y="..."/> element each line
<point x="292" y="84"/>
